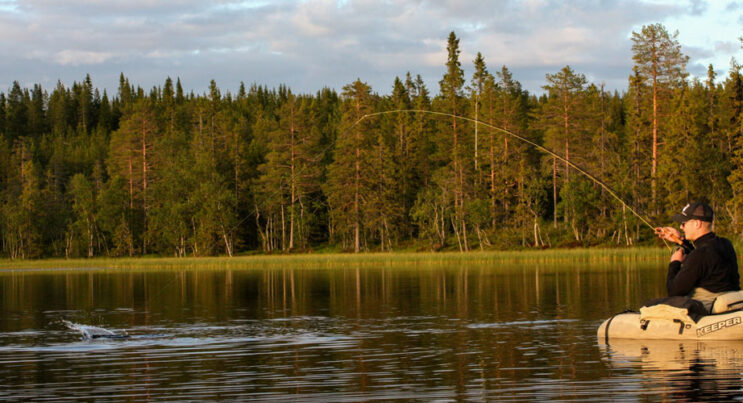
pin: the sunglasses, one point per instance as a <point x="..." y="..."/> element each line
<point x="684" y="223"/>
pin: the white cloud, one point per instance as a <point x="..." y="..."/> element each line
<point x="8" y="6"/>
<point x="728" y="47"/>
<point x="304" y="22"/>
<point x="79" y="57"/>
<point x="309" y="44"/>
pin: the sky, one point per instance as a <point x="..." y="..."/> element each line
<point x="311" y="44"/>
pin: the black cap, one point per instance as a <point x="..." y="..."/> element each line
<point x="695" y="211"/>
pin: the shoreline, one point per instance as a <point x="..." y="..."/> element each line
<point x="335" y="259"/>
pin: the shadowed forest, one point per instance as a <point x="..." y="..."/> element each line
<point x="159" y="171"/>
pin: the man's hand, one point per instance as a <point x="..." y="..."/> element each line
<point x="678" y="255"/>
<point x="669" y="234"/>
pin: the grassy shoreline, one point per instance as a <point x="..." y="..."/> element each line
<point x="334" y="259"/>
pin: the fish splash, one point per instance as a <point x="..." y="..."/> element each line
<point x="93" y="332"/>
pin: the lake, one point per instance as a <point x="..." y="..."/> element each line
<point x="440" y="331"/>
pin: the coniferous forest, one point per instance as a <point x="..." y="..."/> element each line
<point x="160" y="171"/>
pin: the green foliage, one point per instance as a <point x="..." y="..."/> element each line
<point x="429" y="213"/>
<point x="289" y="177"/>
<point x="351" y="176"/>
<point x="85" y="174"/>
<point x="660" y="70"/>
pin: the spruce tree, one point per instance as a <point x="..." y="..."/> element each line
<point x="456" y="170"/>
<point x="16" y="113"/>
<point x="348" y="186"/>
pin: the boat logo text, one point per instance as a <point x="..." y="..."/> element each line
<point x="703" y="331"/>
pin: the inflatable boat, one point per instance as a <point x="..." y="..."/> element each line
<point x="669" y="323"/>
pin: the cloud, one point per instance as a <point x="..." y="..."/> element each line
<point x="728" y="47"/>
<point x="698" y="7"/>
<point x="308" y="44"/>
<point x="733" y="6"/>
<point x="77" y="57"/>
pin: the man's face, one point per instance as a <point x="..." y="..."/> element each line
<point x="692" y="229"/>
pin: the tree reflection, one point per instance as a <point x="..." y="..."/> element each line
<point x="378" y="331"/>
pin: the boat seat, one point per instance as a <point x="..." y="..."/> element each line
<point x="665" y="312"/>
<point x="730" y="301"/>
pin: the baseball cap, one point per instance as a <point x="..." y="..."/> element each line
<point x="695" y="211"/>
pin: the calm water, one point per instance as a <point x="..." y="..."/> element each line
<point x="483" y="332"/>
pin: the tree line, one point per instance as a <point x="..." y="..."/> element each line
<point x="169" y="173"/>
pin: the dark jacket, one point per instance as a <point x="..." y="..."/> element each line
<point x="712" y="265"/>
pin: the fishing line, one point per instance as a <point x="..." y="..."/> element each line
<point x="523" y="139"/>
<point x="478" y="122"/>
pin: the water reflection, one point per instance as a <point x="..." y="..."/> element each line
<point x="353" y="332"/>
<point x="682" y="370"/>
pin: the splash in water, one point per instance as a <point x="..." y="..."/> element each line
<point x="93" y="332"/>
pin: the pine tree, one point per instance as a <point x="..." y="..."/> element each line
<point x="661" y="67"/>
<point x="290" y="173"/>
<point x="562" y="119"/>
<point x="130" y="158"/>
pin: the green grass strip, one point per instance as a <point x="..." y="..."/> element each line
<point x="342" y="260"/>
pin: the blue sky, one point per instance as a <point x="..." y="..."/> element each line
<point x="311" y="44"/>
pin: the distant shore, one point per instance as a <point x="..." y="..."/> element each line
<point x="340" y="259"/>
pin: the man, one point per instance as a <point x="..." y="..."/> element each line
<point x="706" y="265"/>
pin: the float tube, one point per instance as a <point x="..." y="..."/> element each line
<point x="665" y="322"/>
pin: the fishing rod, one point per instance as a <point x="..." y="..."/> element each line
<point x="527" y="141"/>
<point x="523" y="139"/>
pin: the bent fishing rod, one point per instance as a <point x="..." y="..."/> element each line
<point x="514" y="135"/>
<point x="524" y="140"/>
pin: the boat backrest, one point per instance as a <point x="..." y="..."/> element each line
<point x="665" y="312"/>
<point x="730" y="301"/>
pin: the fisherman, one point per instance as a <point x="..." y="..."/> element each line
<point x="705" y="266"/>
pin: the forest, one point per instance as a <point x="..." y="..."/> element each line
<point x="264" y="170"/>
